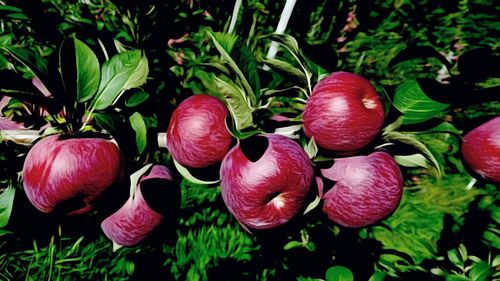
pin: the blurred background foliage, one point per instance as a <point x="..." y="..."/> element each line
<point x="446" y="228"/>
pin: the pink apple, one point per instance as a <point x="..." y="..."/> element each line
<point x="367" y="189"/>
<point x="197" y="135"/>
<point x="133" y="222"/>
<point x="481" y="150"/>
<point x="343" y="113"/>
<point x="58" y="170"/>
<point x="265" y="180"/>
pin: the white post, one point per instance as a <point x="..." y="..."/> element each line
<point x="234" y="17"/>
<point x="280" y="29"/>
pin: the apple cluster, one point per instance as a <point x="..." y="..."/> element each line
<point x="266" y="178"/>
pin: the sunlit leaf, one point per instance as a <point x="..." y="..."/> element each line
<point x="137" y="123"/>
<point x="287" y="70"/>
<point x="122" y="72"/>
<point x="237" y="103"/>
<point x="415" y="105"/>
<point x="339" y="273"/>
<point x="87" y="71"/>
<point x="6" y="204"/>
<point x="413" y="160"/>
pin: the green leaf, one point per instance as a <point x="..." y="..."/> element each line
<point x="455" y="258"/>
<point x="313" y="204"/>
<point x="286" y="41"/>
<point x="137" y="123"/>
<point x="187" y="175"/>
<point x="6" y="204"/>
<point x="415" y="105"/>
<point x="480" y="271"/>
<point x="122" y="72"/>
<point x="136" y="98"/>
<point x="377" y="276"/>
<point x="292" y="244"/>
<point x="237" y="103"/>
<point x="87" y="72"/>
<point x="410" y="139"/>
<point x="286" y="69"/>
<point x="248" y="91"/>
<point x="134" y="179"/>
<point x="37" y="65"/>
<point x="339" y="273"/>
<point x="311" y="148"/>
<point x="413" y="160"/>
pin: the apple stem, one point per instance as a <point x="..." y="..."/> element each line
<point x="234" y="17"/>
<point x="280" y="29"/>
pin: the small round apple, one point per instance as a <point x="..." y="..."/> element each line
<point x="481" y="150"/>
<point x="197" y="134"/>
<point x="57" y="170"/>
<point x="367" y="189"/>
<point x="343" y="113"/>
<point x="265" y="180"/>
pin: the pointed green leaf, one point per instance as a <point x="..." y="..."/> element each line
<point x="411" y="161"/>
<point x="139" y="126"/>
<point x="234" y="67"/>
<point x="136" y="98"/>
<point x="286" y="69"/>
<point x="415" y="105"/>
<point x="122" y="72"/>
<point x="311" y="148"/>
<point x="480" y="271"/>
<point x="237" y="103"/>
<point x="6" y="204"/>
<point x="286" y="41"/>
<point x="312" y="205"/>
<point x="134" y="178"/>
<point x="87" y="72"/>
<point x="292" y="244"/>
<point x="339" y="273"/>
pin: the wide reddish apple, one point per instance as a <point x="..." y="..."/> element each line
<point x="142" y="213"/>
<point x="481" y="150"/>
<point x="367" y="189"/>
<point x="197" y="135"/>
<point x="265" y="180"/>
<point x="59" y="170"/>
<point x="343" y="113"/>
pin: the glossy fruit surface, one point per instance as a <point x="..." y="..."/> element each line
<point x="57" y="170"/>
<point x="481" y="150"/>
<point x="265" y="180"/>
<point x="137" y="218"/>
<point x="343" y="113"/>
<point x="367" y="189"/>
<point x="197" y="135"/>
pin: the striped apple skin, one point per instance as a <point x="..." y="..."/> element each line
<point x="269" y="192"/>
<point x="197" y="135"/>
<point x="135" y="220"/>
<point x="481" y="150"/>
<point x="367" y="189"/>
<point x="56" y="170"/>
<point x="343" y="113"/>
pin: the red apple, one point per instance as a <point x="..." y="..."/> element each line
<point x="197" y="135"/>
<point x="481" y="150"/>
<point x="343" y="113"/>
<point x="139" y="216"/>
<point x="265" y="180"/>
<point x="367" y="189"/>
<point x="58" y="170"/>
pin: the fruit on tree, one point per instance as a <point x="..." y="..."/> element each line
<point x="265" y="180"/>
<point x="367" y="189"/>
<point x="343" y="113"/>
<point x="481" y="150"/>
<point x="197" y="135"/>
<point x="59" y="170"/>
<point x="155" y="194"/>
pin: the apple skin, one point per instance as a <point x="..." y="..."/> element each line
<point x="367" y="189"/>
<point x="135" y="220"/>
<point x="270" y="191"/>
<point x="197" y="135"/>
<point x="481" y="150"/>
<point x="57" y="170"/>
<point x="343" y="113"/>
